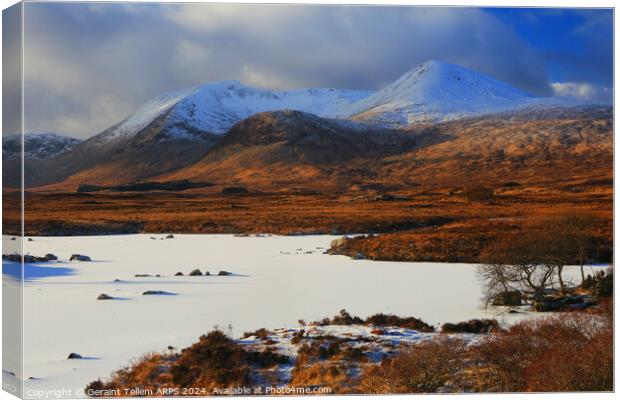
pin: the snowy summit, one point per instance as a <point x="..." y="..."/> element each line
<point x="438" y="91"/>
<point x="433" y="91"/>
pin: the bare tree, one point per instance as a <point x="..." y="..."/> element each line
<point x="534" y="260"/>
<point x="518" y="262"/>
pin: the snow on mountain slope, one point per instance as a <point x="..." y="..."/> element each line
<point x="144" y="115"/>
<point x="433" y="91"/>
<point x="216" y="107"/>
<point x="438" y="91"/>
<point x="36" y="145"/>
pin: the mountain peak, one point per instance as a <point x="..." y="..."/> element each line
<point x="437" y="90"/>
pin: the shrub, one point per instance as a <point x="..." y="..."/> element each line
<point x="380" y="319"/>
<point x="343" y="318"/>
<point x="423" y="368"/>
<point x="214" y="361"/>
<point x="604" y="285"/>
<point x="298" y="336"/>
<point x="261" y="333"/>
<point x="471" y="326"/>
<point x="394" y="320"/>
<point x="567" y="352"/>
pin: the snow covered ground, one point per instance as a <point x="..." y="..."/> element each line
<point x="276" y="281"/>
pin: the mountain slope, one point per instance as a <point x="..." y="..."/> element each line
<point x="173" y="131"/>
<point x="528" y="146"/>
<point x="36" y="145"/>
<point x="106" y="159"/>
<point x="169" y="134"/>
<point x="286" y="150"/>
<point x="437" y="91"/>
<point x="216" y="107"/>
<point x="282" y="149"/>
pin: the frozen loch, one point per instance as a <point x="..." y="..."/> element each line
<point x="274" y="282"/>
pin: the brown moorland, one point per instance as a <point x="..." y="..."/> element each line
<point x="455" y="187"/>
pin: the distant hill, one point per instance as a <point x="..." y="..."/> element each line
<point x="37" y="146"/>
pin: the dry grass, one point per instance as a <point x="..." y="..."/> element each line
<point x="425" y="225"/>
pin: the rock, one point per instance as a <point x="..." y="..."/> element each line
<point x="207" y="273"/>
<point x="50" y="257"/>
<point x="179" y="274"/>
<point x="195" y="272"/>
<point x="32" y="259"/>
<point x="29" y="259"/>
<point x="510" y="298"/>
<point x="73" y="356"/>
<point x="117" y="280"/>
<point x="13" y="238"/>
<point x="104" y="296"/>
<point x="513" y="312"/>
<point x="358" y="256"/>
<point x="142" y="275"/>
<point x="12" y="257"/>
<point x="30" y="240"/>
<point x="170" y="237"/>
<point x="155" y="292"/>
<point x="79" y="257"/>
<point x="157" y="276"/>
<point x="224" y="273"/>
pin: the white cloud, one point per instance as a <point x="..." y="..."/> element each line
<point x="583" y="90"/>
<point x="250" y="75"/>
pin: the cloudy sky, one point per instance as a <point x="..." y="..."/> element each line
<point x="87" y="66"/>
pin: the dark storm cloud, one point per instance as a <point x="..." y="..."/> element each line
<point x="89" y="65"/>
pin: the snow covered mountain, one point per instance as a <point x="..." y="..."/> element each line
<point x="173" y="132"/>
<point x="37" y="146"/>
<point x="216" y="107"/>
<point x="437" y="91"/>
<point x="433" y="91"/>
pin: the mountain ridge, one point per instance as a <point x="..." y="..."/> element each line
<point x="36" y="145"/>
<point x="437" y="91"/>
<point x="167" y="135"/>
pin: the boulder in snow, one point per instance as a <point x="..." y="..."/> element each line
<point x="79" y="257"/>
<point x="155" y="293"/>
